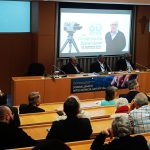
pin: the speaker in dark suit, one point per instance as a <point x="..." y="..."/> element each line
<point x="100" y="65"/>
<point x="72" y="67"/>
<point x="125" y="63"/>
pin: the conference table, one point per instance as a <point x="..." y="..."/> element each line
<point x="54" y="89"/>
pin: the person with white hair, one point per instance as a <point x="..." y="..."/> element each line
<point x="139" y="114"/>
<point x="34" y="99"/>
<point x="121" y="107"/>
<point x="115" y="39"/>
<point x="121" y="131"/>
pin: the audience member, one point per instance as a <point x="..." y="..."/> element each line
<point x="121" y="107"/>
<point x="125" y="63"/>
<point x="34" y="99"/>
<point x="12" y="136"/>
<point x="72" y="67"/>
<point x="121" y="131"/>
<point x="100" y="65"/>
<point x="110" y="94"/>
<point x="52" y="145"/>
<point x="140" y="114"/>
<point x="72" y="128"/>
<point x="133" y="87"/>
<point x="3" y="101"/>
<point x="81" y="114"/>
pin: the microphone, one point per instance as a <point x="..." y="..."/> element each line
<point x="109" y="68"/>
<point x="57" y="68"/>
<point x="142" y="66"/>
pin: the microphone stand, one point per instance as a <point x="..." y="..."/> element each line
<point x="57" y="68"/>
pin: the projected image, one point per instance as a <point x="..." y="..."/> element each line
<point x="89" y="32"/>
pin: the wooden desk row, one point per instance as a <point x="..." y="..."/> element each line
<point x="40" y="131"/>
<point x="83" y="145"/>
<point x="85" y="104"/>
<point x="49" y="117"/>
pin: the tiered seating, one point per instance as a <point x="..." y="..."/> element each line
<point x="40" y="131"/>
<point x="49" y="117"/>
<point x="84" y="145"/>
<point x="85" y="104"/>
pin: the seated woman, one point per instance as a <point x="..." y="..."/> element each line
<point x="110" y="94"/>
<point x="34" y="99"/>
<point x="121" y="131"/>
<point x="121" y="107"/>
<point x="72" y="128"/>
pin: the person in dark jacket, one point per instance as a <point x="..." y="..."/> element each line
<point x="3" y="101"/>
<point x="100" y="65"/>
<point x="72" y="128"/>
<point x="133" y="87"/>
<point x="121" y="131"/>
<point x="12" y="136"/>
<point x="125" y="63"/>
<point x="34" y="99"/>
<point x="72" y="67"/>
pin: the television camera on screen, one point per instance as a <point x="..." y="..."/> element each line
<point x="71" y="28"/>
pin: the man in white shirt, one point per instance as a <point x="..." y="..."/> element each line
<point x="125" y="63"/>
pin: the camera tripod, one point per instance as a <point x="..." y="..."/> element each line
<point x="70" y="40"/>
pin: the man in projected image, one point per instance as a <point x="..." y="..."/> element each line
<point x="115" y="39"/>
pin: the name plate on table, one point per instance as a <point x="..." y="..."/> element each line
<point x="97" y="83"/>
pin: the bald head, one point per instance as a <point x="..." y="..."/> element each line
<point x="141" y="99"/>
<point x="5" y="114"/>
